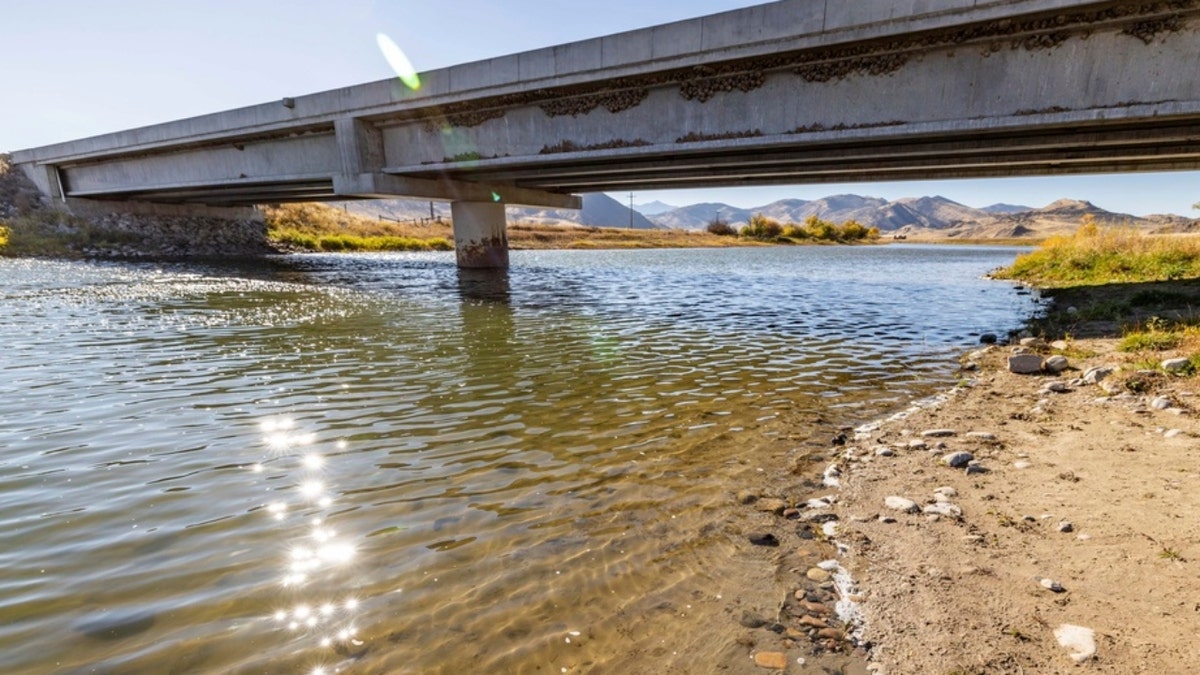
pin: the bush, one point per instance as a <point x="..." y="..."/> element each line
<point x="720" y="228"/>
<point x="762" y="228"/>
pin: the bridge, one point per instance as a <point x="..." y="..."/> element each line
<point x="795" y="91"/>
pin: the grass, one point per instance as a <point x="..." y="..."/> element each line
<point x="54" y="233"/>
<point x="1095" y="255"/>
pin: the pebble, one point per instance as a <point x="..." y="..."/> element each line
<point x="1024" y="364"/>
<point x="939" y="433"/>
<point x="1161" y="403"/>
<point x="763" y="539"/>
<point x="1056" y="364"/>
<point x="1032" y="342"/>
<point x="973" y="539"/>
<point x="1173" y="433"/>
<point x="885" y="452"/>
<point x="1096" y="374"/>
<point x="1022" y="464"/>
<point x="946" y="491"/>
<point x="818" y="575"/>
<point x="887" y="520"/>
<point x="944" y="509"/>
<point x="813" y="622"/>
<point x="901" y="504"/>
<point x="975" y="468"/>
<point x="958" y="459"/>
<point x="1052" y="585"/>
<point x="1057" y="387"/>
<point x="1081" y="641"/>
<point x="1065" y="526"/>
<point x="1175" y="365"/>
<point x="1060" y="345"/>
<point x="771" y="660"/>
<point x="918" y="445"/>
<point x="988" y="339"/>
<point x="982" y="435"/>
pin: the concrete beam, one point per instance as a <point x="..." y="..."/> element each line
<point x="360" y="145"/>
<point x="387" y="186"/>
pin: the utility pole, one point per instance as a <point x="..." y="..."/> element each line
<point x="631" y="210"/>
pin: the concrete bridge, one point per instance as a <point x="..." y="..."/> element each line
<point x="795" y="91"/>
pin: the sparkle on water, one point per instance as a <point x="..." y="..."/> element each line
<point x="218" y="469"/>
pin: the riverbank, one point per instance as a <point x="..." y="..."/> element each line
<point x="1021" y="522"/>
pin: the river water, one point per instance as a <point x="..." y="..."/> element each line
<point x="376" y="464"/>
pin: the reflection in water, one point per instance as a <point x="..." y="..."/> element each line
<point x="382" y="464"/>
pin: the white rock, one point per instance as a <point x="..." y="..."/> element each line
<point x="901" y="504"/>
<point x="1175" y="365"/>
<point x="939" y="433"/>
<point x="1033" y="342"/>
<point x="981" y="435"/>
<point x="1094" y="375"/>
<point x="944" y="509"/>
<point x="1081" y="641"/>
<point x="1052" y="585"/>
<point x="1022" y="464"/>
<point x="885" y="452"/>
<point x="918" y="445"/>
<point x="1173" y="433"/>
<point x="1025" y="364"/>
<point x="1056" y="364"/>
<point x="1161" y="403"/>
<point x="946" y="491"/>
<point x="958" y="459"/>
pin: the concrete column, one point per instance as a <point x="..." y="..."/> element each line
<point x="480" y="235"/>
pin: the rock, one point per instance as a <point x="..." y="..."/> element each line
<point x="1161" y="403"/>
<point x="946" y="491"/>
<point x="958" y="459"/>
<point x="751" y="620"/>
<point x="1032" y="343"/>
<point x="791" y="514"/>
<point x="944" y="509"/>
<point x="1022" y="464"/>
<point x="988" y="339"/>
<point x="1065" y="526"/>
<point x="1052" y="585"/>
<point x="1081" y="641"/>
<point x="973" y="539"/>
<point x="901" y="504"/>
<point x="1057" y="388"/>
<point x="975" y="468"/>
<point x="886" y="520"/>
<point x="829" y="634"/>
<point x="818" y="575"/>
<point x="1174" y="433"/>
<point x="771" y="660"/>
<point x="747" y="496"/>
<point x="1060" y="345"/>
<point x="813" y="622"/>
<point x="1056" y="364"/>
<point x="1025" y="364"/>
<point x="776" y="506"/>
<point x="1096" y="374"/>
<point x="763" y="539"/>
<point x="1176" y="365"/>
<point x="1072" y="310"/>
<point x="885" y="452"/>
<point x="939" y="433"/>
<point x="982" y="436"/>
<point x="918" y="445"/>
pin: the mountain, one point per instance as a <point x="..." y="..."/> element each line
<point x="698" y="216"/>
<point x="925" y="212"/>
<point x="599" y="210"/>
<point x="1006" y="208"/>
<point x="653" y="208"/>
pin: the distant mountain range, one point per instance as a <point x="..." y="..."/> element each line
<point x="910" y="217"/>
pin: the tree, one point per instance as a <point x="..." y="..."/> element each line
<point x="719" y="227"/>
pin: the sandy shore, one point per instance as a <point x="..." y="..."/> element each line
<point x="1093" y="491"/>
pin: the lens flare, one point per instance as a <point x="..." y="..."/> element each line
<point x="398" y="61"/>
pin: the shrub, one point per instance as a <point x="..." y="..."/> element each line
<point x="720" y="228"/>
<point x="762" y="228"/>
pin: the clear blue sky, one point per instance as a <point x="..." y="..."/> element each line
<point x="76" y="68"/>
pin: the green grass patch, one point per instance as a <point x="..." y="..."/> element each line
<point x="351" y="242"/>
<point x="1095" y="255"/>
<point x="1143" y="341"/>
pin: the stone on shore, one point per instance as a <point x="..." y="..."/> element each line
<point x="982" y="436"/>
<point x="1052" y="585"/>
<point x="1096" y="374"/>
<point x="1161" y="403"/>
<point x="1081" y="641"/>
<point x="939" y="433"/>
<point x="818" y="575"/>
<point x="1176" y="365"/>
<point x="901" y="504"/>
<point x="1056" y="364"/>
<point x="771" y="660"/>
<point x="958" y="460"/>
<point x="1025" y="364"/>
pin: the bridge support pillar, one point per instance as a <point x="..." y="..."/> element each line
<point x="480" y="234"/>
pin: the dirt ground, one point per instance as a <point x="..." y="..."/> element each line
<point x="1095" y="489"/>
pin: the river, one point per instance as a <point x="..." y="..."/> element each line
<point x="376" y="463"/>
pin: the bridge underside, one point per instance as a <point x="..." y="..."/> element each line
<point x="790" y="92"/>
